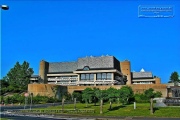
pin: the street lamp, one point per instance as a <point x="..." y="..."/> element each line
<point x="3" y="7"/>
<point x="31" y="94"/>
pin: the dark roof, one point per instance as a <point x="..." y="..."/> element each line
<point x="62" y="67"/>
<point x="97" y="69"/>
<point x="96" y="62"/>
<point x="142" y="75"/>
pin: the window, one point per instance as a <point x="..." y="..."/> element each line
<point x="86" y="68"/>
<point x="99" y="76"/>
<point x="104" y="76"/>
<point x="87" y="76"/>
<point x="91" y="76"/>
<point x="109" y="76"/>
<point x="83" y="76"/>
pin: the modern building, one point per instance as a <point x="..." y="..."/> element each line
<point x="92" y="71"/>
<point x="143" y="77"/>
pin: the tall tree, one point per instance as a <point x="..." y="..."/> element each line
<point x="174" y="77"/>
<point x="4" y="84"/>
<point x="111" y="95"/>
<point x="126" y="93"/>
<point x="95" y="99"/>
<point x="87" y="95"/>
<point x="75" y="96"/>
<point x="101" y="95"/>
<point x="150" y="95"/>
<point x="19" y="75"/>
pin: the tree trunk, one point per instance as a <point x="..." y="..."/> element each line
<point x="63" y="104"/>
<point x="86" y="103"/>
<point x="94" y="101"/>
<point x="74" y="103"/>
<point x="101" y="106"/>
<point x="110" y="105"/>
<point x="151" y="110"/>
<point x="118" y="101"/>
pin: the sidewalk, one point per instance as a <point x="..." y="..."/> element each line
<point x="67" y="116"/>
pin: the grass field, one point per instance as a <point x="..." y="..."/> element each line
<point x="3" y="119"/>
<point x="142" y="110"/>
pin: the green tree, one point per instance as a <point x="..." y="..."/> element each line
<point x="94" y="97"/>
<point x="118" y="95"/>
<point x="18" y="77"/>
<point x="126" y="93"/>
<point x="174" y="77"/>
<point x="87" y="95"/>
<point x="4" y="84"/>
<point x="101" y="95"/>
<point x="158" y="94"/>
<point x="65" y="96"/>
<point x="76" y="96"/>
<point x="150" y="94"/>
<point x="63" y="100"/>
<point x="111" y="95"/>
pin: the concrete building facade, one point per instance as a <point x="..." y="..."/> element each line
<point x="100" y="72"/>
<point x="92" y="71"/>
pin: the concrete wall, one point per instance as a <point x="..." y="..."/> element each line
<point x="157" y="80"/>
<point x="47" y="89"/>
<point x="126" y="70"/>
<point x="140" y="88"/>
<point x="43" y="70"/>
<point x="41" y="89"/>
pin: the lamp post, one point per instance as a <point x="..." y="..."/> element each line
<point x="26" y="99"/>
<point x="31" y="94"/>
<point x="3" y="7"/>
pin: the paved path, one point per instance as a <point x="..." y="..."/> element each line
<point x="30" y="116"/>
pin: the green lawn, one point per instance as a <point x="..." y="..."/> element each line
<point x="4" y="119"/>
<point x="142" y="109"/>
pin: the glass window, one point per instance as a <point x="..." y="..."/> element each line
<point x="86" y="68"/>
<point x="109" y="76"/>
<point x="82" y="76"/>
<point x="99" y="76"/>
<point x="87" y="76"/>
<point x="103" y="76"/>
<point x="91" y="76"/>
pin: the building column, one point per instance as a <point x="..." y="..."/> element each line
<point x="78" y="80"/>
<point x="112" y="78"/>
<point x="43" y="70"/>
<point x="94" y="78"/>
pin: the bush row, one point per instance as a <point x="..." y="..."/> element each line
<point x="20" y="99"/>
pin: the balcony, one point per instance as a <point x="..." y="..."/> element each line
<point x="63" y="79"/>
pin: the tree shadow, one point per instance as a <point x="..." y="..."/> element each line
<point x="115" y="108"/>
<point x="155" y="109"/>
<point x="87" y="106"/>
<point x="96" y="105"/>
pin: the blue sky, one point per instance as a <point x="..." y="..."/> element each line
<point x="64" y="31"/>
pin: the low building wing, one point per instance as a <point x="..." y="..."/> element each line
<point x="136" y="75"/>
